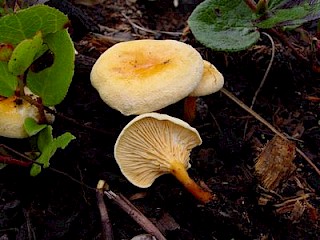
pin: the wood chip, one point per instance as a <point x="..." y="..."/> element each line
<point x="274" y="163"/>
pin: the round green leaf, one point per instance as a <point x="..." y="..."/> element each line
<point x="52" y="83"/>
<point x="32" y="127"/>
<point x="27" y="22"/>
<point x="24" y="53"/>
<point x="224" y="25"/>
<point x="8" y="82"/>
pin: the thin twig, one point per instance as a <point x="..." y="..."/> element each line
<point x="267" y="71"/>
<point x="251" y="4"/>
<point x="263" y="79"/>
<point x="135" y="214"/>
<point x="15" y="161"/>
<point x="272" y="128"/>
<point x="107" y="233"/>
<point x="69" y="176"/>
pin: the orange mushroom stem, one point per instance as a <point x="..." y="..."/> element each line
<point x="190" y="109"/>
<point x="179" y="171"/>
<point x="211" y="82"/>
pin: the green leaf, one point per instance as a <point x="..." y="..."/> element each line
<point x="26" y="23"/>
<point x="274" y="3"/>
<point x="291" y="14"/>
<point x="24" y="53"/>
<point x="282" y="15"/>
<point x="48" y="146"/>
<point x="2" y="165"/>
<point x="224" y="25"/>
<point x="32" y="127"/>
<point x="8" y="82"/>
<point x="63" y="140"/>
<point x="313" y="14"/>
<point x="45" y="138"/>
<point x="52" y="83"/>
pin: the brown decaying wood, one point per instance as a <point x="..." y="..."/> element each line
<point x="275" y="162"/>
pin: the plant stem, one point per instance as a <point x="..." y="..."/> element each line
<point x="252" y="5"/>
<point x="13" y="161"/>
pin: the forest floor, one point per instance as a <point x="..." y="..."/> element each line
<point x="55" y="206"/>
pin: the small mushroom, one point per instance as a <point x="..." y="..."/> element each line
<point x="13" y="113"/>
<point x="147" y="75"/>
<point x="153" y="144"/>
<point x="212" y="81"/>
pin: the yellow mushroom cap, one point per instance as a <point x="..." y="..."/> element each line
<point x="150" y="144"/>
<point x="211" y="82"/>
<point x="13" y="112"/>
<point x="143" y="76"/>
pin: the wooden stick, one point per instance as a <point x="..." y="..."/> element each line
<point x="107" y="233"/>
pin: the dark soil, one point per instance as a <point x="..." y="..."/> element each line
<point x="54" y="206"/>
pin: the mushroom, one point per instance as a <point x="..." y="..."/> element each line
<point x="212" y="81"/>
<point x="142" y="76"/>
<point x="153" y="144"/>
<point x="13" y="113"/>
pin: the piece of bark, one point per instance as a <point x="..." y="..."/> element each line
<point x="275" y="163"/>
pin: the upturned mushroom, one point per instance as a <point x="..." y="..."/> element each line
<point x="144" y="76"/>
<point x="153" y="144"/>
<point x="212" y="81"/>
<point x="13" y="113"/>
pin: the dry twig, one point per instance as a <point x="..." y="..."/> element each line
<point x="135" y="214"/>
<point x="107" y="233"/>
<point x="267" y="71"/>
<point x="264" y="77"/>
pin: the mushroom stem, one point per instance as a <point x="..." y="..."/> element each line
<point x="179" y="171"/>
<point x="190" y="109"/>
